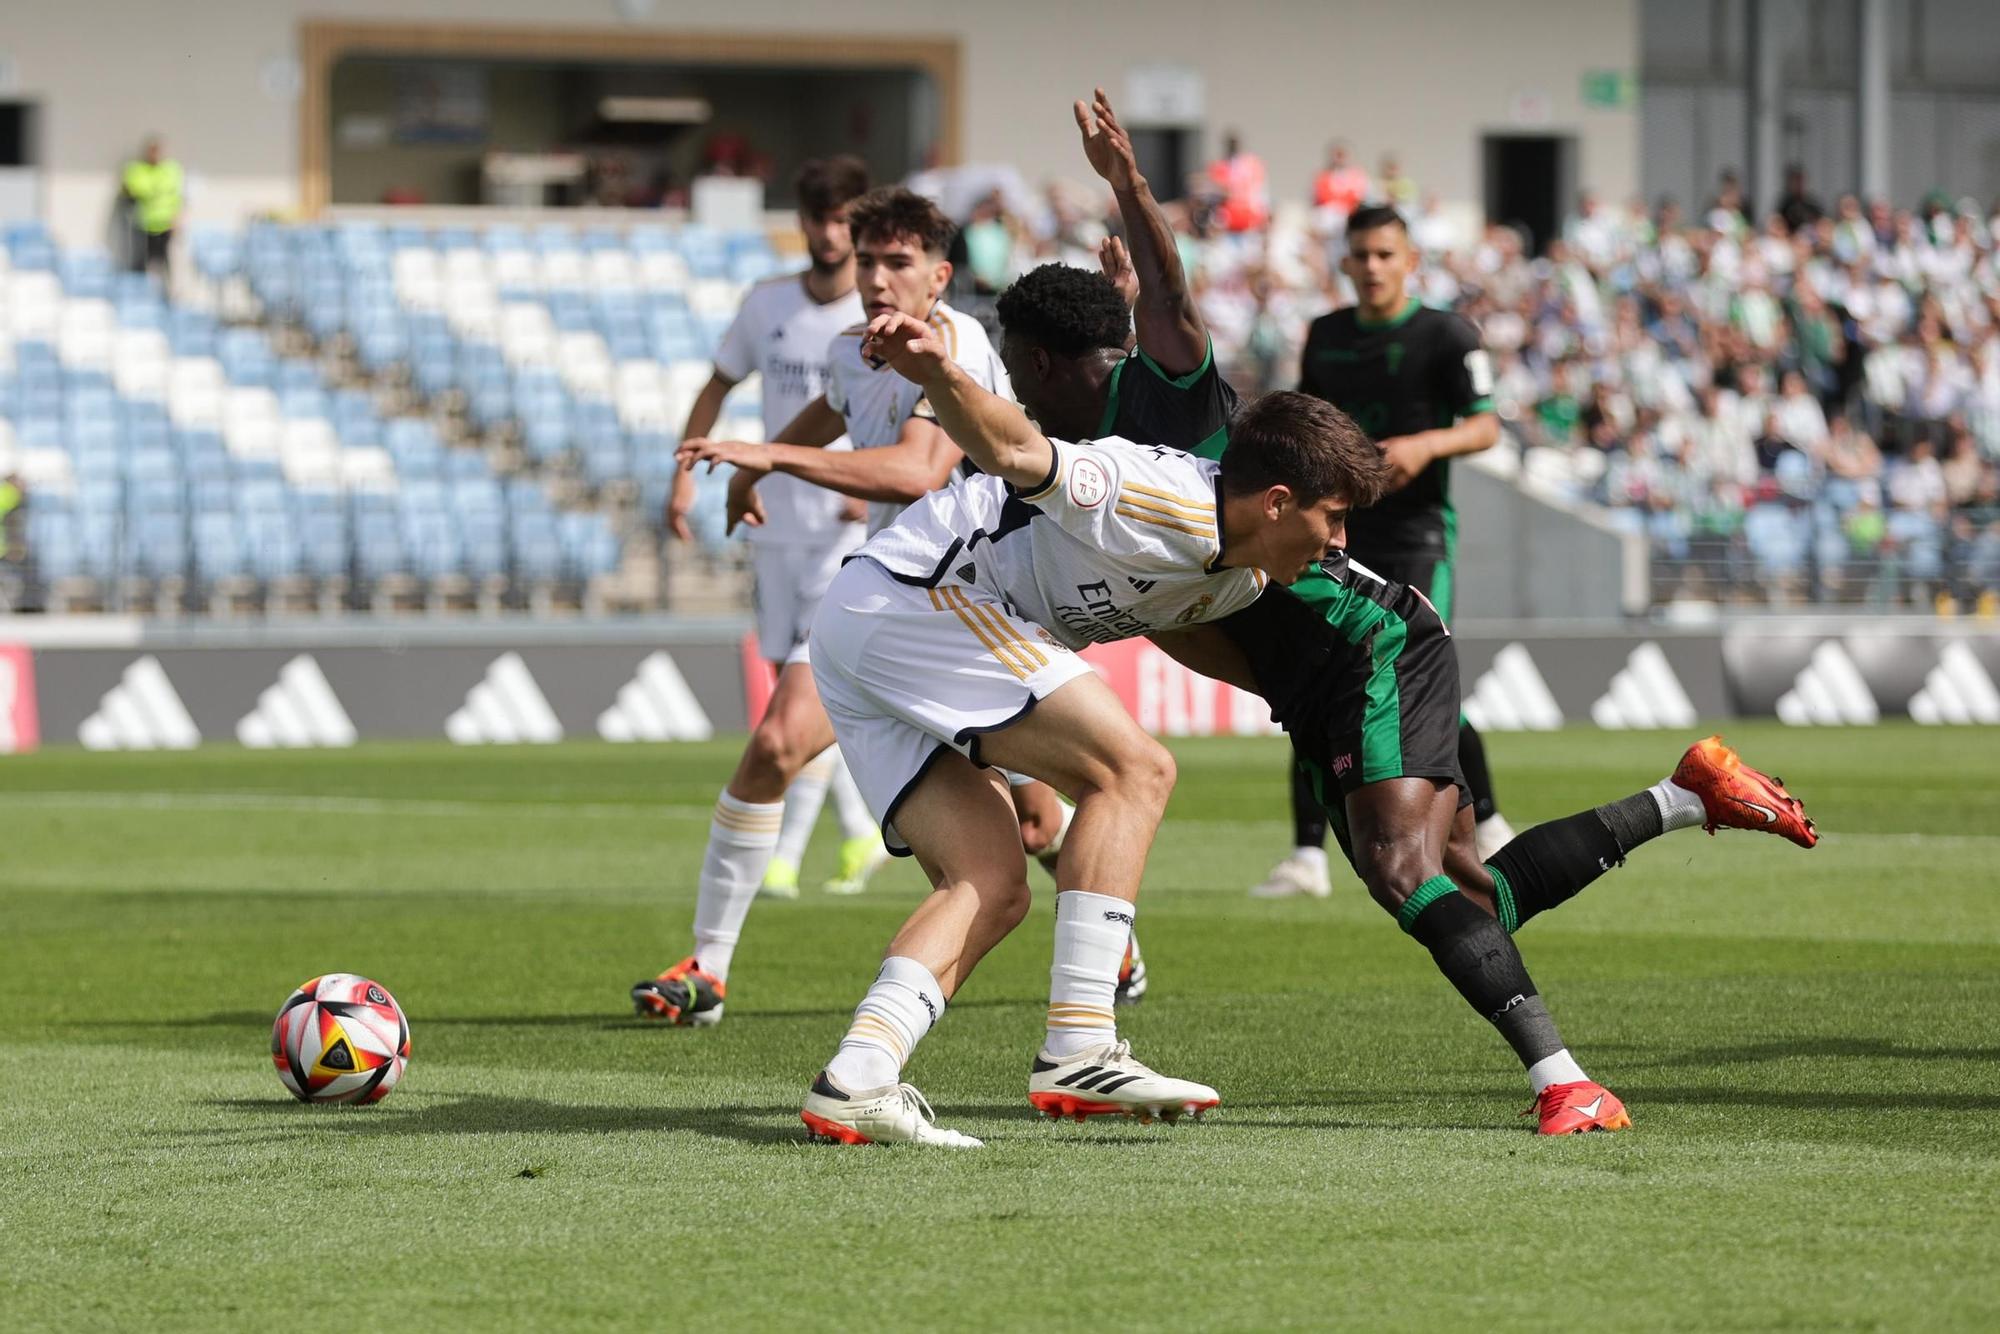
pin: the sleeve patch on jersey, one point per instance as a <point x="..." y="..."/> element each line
<point x="1480" y="367"/>
<point x="1089" y="483"/>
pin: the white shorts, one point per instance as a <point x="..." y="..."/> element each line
<point x="907" y="671"/>
<point x="790" y="579"/>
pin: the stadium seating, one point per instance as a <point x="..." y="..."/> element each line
<point x="173" y="461"/>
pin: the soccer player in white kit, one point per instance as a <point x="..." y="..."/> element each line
<point x="781" y="335"/>
<point x="898" y="454"/>
<point x="946" y="644"/>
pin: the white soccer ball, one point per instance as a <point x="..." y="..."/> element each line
<point x="340" y="1038"/>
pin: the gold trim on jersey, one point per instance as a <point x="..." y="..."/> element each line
<point x="1178" y="502"/>
<point x="992" y="630"/>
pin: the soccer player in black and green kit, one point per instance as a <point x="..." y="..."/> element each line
<point x="1418" y="381"/>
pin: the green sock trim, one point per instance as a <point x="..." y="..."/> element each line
<point x="1427" y="893"/>
<point x="1503" y="899"/>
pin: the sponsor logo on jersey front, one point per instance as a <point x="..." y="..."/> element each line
<point x="1096" y="617"/>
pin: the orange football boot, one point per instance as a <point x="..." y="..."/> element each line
<point x="1571" y="1109"/>
<point x="684" y="995"/>
<point x="1735" y="796"/>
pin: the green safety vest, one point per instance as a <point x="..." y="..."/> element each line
<point x="155" y="188"/>
<point x="10" y="497"/>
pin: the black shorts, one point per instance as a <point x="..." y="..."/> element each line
<point x="1390" y="708"/>
<point x="1420" y="555"/>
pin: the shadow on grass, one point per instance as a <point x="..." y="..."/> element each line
<point x="1812" y="1048"/>
<point x="491" y="1114"/>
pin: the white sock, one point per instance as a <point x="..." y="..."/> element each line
<point x="856" y="820"/>
<point x="1313" y="859"/>
<point x="1091" y="932"/>
<point x="1560" y="1068"/>
<point x="891" y="1019"/>
<point x="1679" y="808"/>
<point x="802" y="802"/>
<point x="740" y="838"/>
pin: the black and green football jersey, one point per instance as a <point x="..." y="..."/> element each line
<point x="1421" y="370"/>
<point x="1187" y="412"/>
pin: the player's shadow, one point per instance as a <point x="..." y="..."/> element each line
<point x="1892" y="1102"/>
<point x="1812" y="1048"/>
<point x="492" y="1114"/>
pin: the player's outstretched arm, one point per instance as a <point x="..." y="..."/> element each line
<point x="700" y="421"/>
<point x="995" y="434"/>
<point x="1169" y="325"/>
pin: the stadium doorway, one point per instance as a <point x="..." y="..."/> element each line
<point x="1528" y="176"/>
<point x="20" y="167"/>
<point x="538" y="117"/>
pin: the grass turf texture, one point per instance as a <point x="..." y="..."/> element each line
<point x="1806" y="1041"/>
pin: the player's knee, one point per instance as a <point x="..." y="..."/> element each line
<point x="1011" y="904"/>
<point x="774" y="755"/>
<point x="1392" y="869"/>
<point x="1145" y="772"/>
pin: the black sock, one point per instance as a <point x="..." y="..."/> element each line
<point x="1480" y="959"/>
<point x="1550" y="864"/>
<point x="1478" y="778"/>
<point x="1308" y="816"/>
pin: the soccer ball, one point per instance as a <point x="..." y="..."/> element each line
<point x="340" y="1038"/>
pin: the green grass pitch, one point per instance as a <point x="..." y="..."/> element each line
<point x="1809" y="1044"/>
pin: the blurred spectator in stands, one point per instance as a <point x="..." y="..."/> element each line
<point x="1798" y="206"/>
<point x="1726" y="213"/>
<point x="1338" y="190"/>
<point x="152" y="186"/>
<point x="1772" y="446"/>
<point x="1558" y="412"/>
<point x="1801" y="419"/>
<point x="1238" y="175"/>
<point x="991" y="237"/>
<point x="1964" y="471"/>
<point x="1393" y="187"/>
<point x="1592" y="232"/>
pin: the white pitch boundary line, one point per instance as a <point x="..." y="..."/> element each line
<point x="304" y="805"/>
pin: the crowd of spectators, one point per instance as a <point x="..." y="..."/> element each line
<point x="1802" y="405"/>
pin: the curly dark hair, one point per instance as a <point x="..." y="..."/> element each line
<point x="826" y="183"/>
<point x="1305" y="443"/>
<point x="1065" y="310"/>
<point x="892" y="213"/>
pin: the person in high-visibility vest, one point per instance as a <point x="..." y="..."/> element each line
<point x="152" y="185"/>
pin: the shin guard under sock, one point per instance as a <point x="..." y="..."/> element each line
<point x="1480" y="960"/>
<point x="1546" y="866"/>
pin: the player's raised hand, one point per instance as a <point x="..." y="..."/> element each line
<point x="1116" y="261"/>
<point x="908" y="346"/>
<point x="744" y="506"/>
<point x="746" y="457"/>
<point x="1106" y="144"/>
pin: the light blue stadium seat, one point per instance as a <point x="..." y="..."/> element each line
<point x="158" y="548"/>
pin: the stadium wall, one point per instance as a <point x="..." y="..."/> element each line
<point x="112" y="683"/>
<point x="227" y="82"/>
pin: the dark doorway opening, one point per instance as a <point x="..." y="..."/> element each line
<point x="1528" y="176"/>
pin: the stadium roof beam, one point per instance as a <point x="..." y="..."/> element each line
<point x="1871" y="98"/>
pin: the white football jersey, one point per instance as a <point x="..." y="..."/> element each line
<point x="781" y="334"/>
<point x="876" y="401"/>
<point x="1121" y="540"/>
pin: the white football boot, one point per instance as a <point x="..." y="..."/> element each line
<point x="1492" y="834"/>
<point x="892" y="1114"/>
<point x="1110" y="1081"/>
<point x="1292" y="878"/>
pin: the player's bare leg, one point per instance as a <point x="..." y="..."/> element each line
<point x="1081" y="740"/>
<point x="961" y="826"/>
<point x="741" y="836"/>
<point x="1045" y="822"/>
